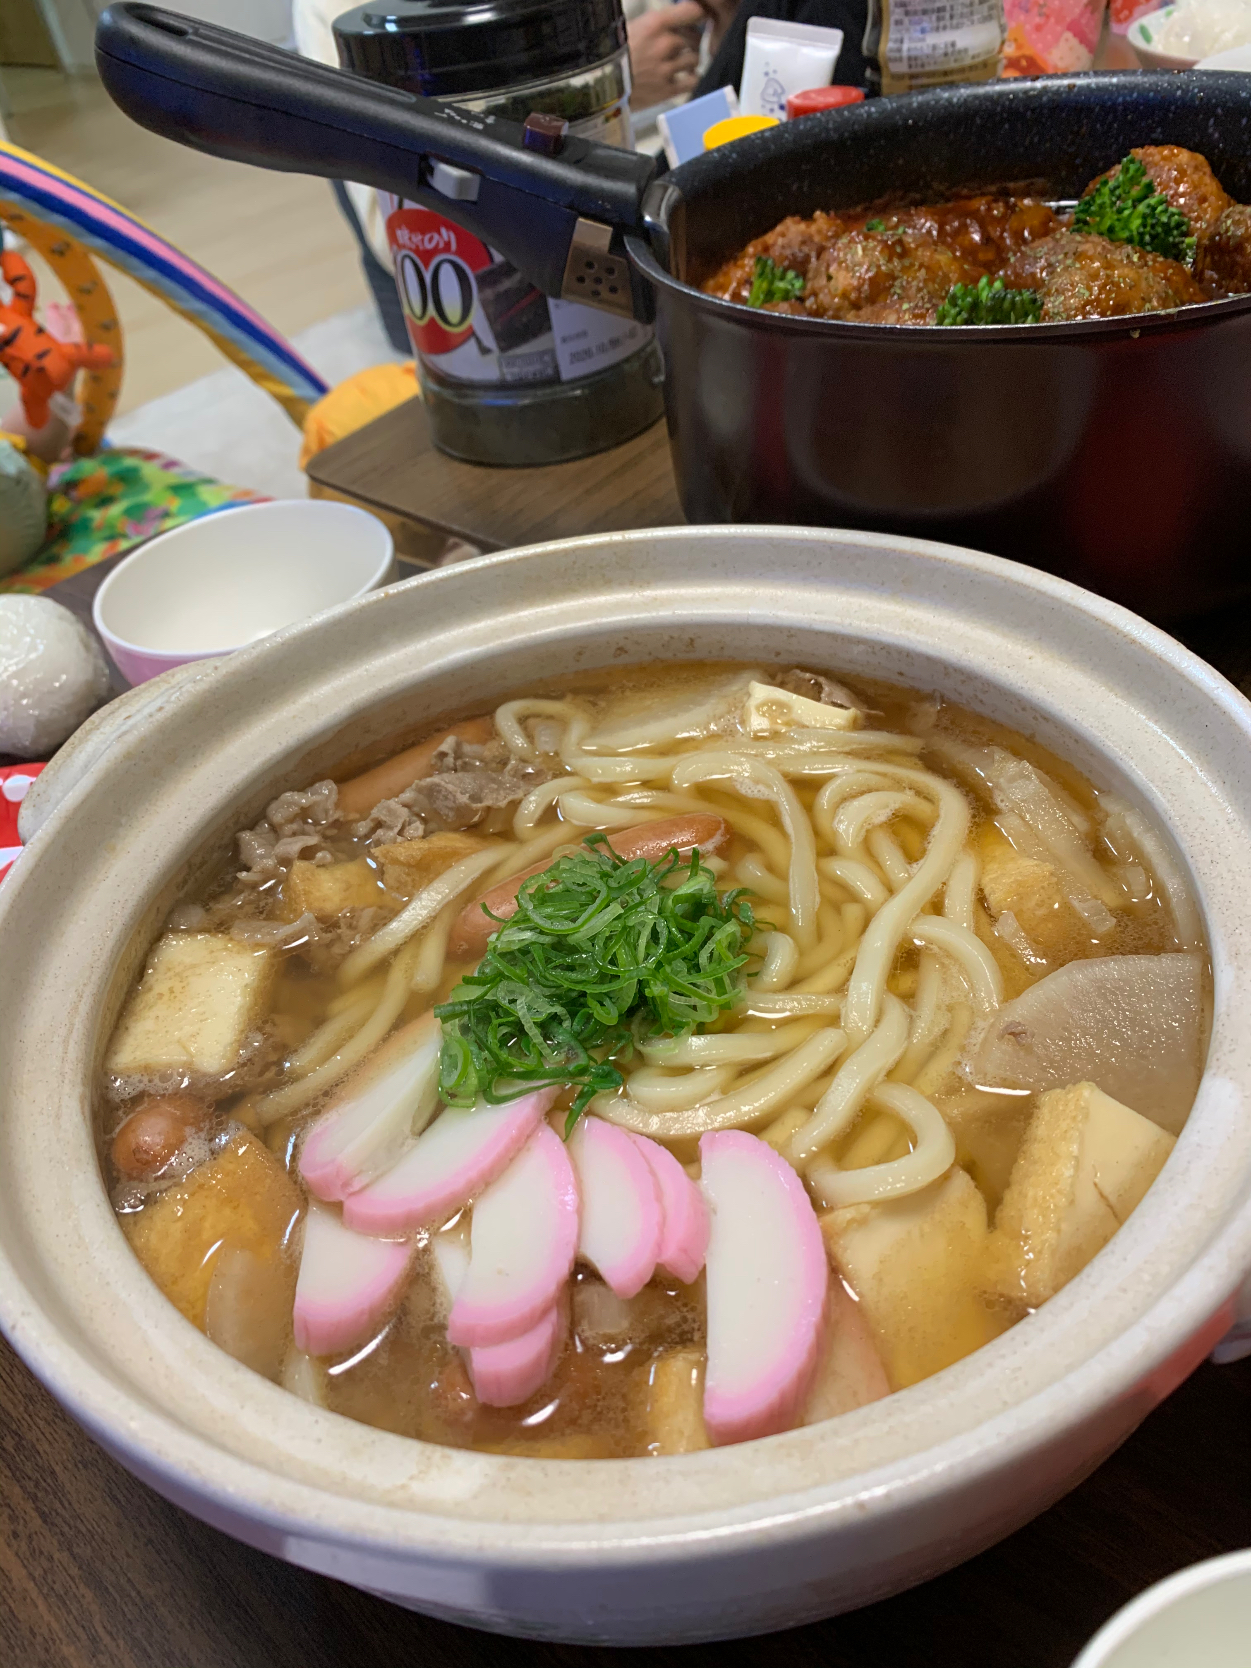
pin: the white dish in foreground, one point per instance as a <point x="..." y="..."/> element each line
<point x="738" y="1540"/>
<point x="1201" y="1615"/>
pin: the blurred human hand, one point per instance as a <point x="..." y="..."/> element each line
<point x="664" y="50"/>
<point x="720" y="14"/>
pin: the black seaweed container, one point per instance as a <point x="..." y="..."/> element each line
<point x="1116" y="452"/>
<point x="505" y="378"/>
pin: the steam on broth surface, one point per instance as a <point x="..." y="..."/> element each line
<point x="852" y="1032"/>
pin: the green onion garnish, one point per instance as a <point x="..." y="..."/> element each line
<point x="602" y="954"/>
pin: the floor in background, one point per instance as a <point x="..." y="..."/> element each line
<point x="278" y="239"/>
<point x="226" y="426"/>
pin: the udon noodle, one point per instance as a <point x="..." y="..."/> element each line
<point x="864" y="1026"/>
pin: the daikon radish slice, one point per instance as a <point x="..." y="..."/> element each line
<point x="380" y="1107"/>
<point x="347" y="1283"/>
<point x="523" y="1241"/>
<point x="767" y="1283"/>
<point x="684" y="1236"/>
<point x="505" y="1374"/>
<point x="622" y="1217"/>
<point x="1132" y="1025"/>
<point x="462" y="1152"/>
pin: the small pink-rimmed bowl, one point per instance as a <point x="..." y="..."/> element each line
<point x="219" y="583"/>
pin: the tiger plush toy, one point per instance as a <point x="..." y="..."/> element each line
<point x="40" y="364"/>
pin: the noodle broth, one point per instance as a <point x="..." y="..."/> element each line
<point x="899" y="1035"/>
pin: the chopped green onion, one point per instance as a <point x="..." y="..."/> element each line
<point x="875" y="225"/>
<point x="603" y="954"/>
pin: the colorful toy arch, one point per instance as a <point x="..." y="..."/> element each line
<point x="69" y="222"/>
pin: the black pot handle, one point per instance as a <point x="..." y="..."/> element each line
<point x="560" y="219"/>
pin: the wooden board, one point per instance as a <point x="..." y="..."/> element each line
<point x="393" y="464"/>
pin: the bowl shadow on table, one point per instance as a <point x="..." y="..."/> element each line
<point x="94" y="1568"/>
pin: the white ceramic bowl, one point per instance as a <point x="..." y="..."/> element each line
<point x="218" y="583"/>
<point x="1142" y="35"/>
<point x="1198" y="1618"/>
<point x="765" y="1535"/>
<point x="1235" y="58"/>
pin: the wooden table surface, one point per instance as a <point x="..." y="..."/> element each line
<point x="393" y="465"/>
<point x="96" y="1570"/>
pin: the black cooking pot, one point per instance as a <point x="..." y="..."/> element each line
<point x="1116" y="451"/>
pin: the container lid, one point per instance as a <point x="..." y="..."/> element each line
<point x="444" y="47"/>
<point x="736" y="127"/>
<point x="821" y="98"/>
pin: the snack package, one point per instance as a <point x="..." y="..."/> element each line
<point x="682" y="130"/>
<point x="1051" y="37"/>
<point x="910" y="44"/>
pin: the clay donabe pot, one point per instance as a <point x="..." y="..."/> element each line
<point x="767" y="1534"/>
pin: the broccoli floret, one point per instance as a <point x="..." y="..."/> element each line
<point x="773" y="283"/>
<point x="1126" y="208"/>
<point x="987" y="303"/>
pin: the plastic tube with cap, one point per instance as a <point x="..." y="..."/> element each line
<point x="784" y="58"/>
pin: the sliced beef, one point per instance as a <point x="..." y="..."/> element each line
<point x="466" y="783"/>
<point x="294" y="825"/>
<point x="815" y="686"/>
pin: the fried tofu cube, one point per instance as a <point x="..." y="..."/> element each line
<point x="988" y="1131"/>
<point x="850" y="1374"/>
<point x="916" y="1265"/>
<point x="410" y="865"/>
<point x="1031" y="891"/>
<point x="769" y="711"/>
<point x="200" y="995"/>
<point x="326" y="890"/>
<point x="673" y="1413"/>
<point x="240" y="1200"/>
<point x="1085" y="1162"/>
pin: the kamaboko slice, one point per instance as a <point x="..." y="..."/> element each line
<point x="506" y="1374"/>
<point x="374" y="1113"/>
<point x="622" y="1215"/>
<point x="523" y="1240"/>
<point x="684" y="1236"/>
<point x="347" y="1283"/>
<point x="461" y="1152"/>
<point x="767" y="1282"/>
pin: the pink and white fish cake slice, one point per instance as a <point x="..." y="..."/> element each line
<point x="767" y="1283"/>
<point x="504" y="1375"/>
<point x="374" y="1114"/>
<point x="622" y="1218"/>
<point x="523" y="1241"/>
<point x="462" y="1152"/>
<point x="684" y="1237"/>
<point x="346" y="1285"/>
